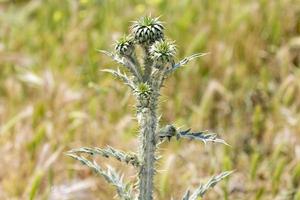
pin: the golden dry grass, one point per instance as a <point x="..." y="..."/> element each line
<point x="53" y="96"/>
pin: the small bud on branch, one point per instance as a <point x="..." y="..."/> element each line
<point x="170" y="131"/>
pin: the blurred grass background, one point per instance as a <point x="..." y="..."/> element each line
<point x="53" y="96"/>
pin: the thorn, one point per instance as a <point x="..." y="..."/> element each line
<point x="169" y="138"/>
<point x="161" y="137"/>
<point x="185" y="132"/>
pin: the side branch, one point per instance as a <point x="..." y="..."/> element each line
<point x="128" y="158"/>
<point x="185" y="61"/>
<point x="111" y="176"/>
<point x="122" y="76"/>
<point x="203" y="188"/>
<point x="130" y="65"/>
<point x="170" y="131"/>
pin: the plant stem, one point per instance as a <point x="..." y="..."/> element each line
<point x="148" y="123"/>
<point x="147" y="64"/>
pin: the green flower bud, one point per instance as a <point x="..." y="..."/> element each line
<point x="147" y="30"/>
<point x="144" y="89"/>
<point x="167" y="132"/>
<point x="143" y="93"/>
<point x="163" y="52"/>
<point x="124" y="46"/>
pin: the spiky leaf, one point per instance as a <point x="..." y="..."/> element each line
<point x="129" y="158"/>
<point x="111" y="176"/>
<point x="203" y="188"/>
<point x="186" y="60"/>
<point x="122" y="76"/>
<point x="203" y="136"/>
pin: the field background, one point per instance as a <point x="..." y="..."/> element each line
<point x="53" y="96"/>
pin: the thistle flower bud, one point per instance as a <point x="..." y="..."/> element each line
<point x="143" y="92"/>
<point x="147" y="30"/>
<point x="124" y="46"/>
<point x="167" y="132"/>
<point x="143" y="89"/>
<point x="163" y="52"/>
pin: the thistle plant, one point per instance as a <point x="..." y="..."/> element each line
<point x="145" y="80"/>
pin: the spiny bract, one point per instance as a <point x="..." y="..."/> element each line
<point x="143" y="88"/>
<point x="147" y="30"/>
<point x="124" y="46"/>
<point x="163" y="51"/>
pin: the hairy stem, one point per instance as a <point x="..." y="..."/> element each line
<point x="135" y="61"/>
<point x="148" y="122"/>
<point x="147" y="64"/>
